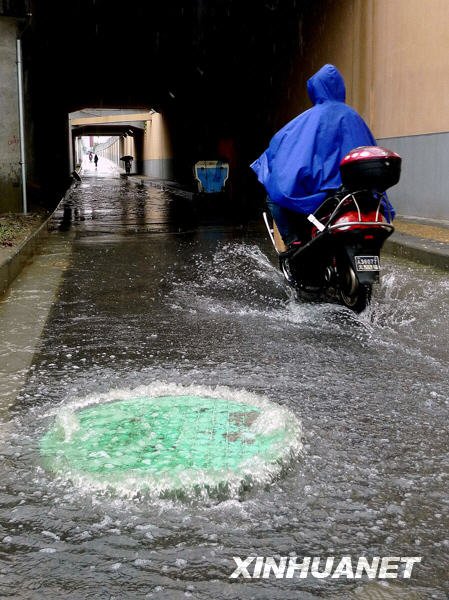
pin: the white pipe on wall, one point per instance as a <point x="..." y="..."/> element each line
<point x="21" y="125"/>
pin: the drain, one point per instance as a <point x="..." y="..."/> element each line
<point x="171" y="443"/>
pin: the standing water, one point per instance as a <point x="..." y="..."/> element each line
<point x="148" y="308"/>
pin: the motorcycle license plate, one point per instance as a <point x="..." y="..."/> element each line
<point x="367" y="263"/>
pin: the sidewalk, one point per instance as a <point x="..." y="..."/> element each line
<point x="164" y="184"/>
<point x="423" y="240"/>
<point x="15" y="253"/>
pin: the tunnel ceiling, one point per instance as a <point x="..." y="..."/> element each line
<point x="168" y="55"/>
<point x="107" y="129"/>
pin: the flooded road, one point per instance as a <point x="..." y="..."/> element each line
<point x="149" y="299"/>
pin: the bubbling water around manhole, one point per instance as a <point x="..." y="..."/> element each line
<point x="183" y="441"/>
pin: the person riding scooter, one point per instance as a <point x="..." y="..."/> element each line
<point x="300" y="168"/>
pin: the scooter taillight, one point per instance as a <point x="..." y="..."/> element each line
<point x="353" y="219"/>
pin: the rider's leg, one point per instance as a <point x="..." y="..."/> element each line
<point x="284" y="219"/>
<point x="278" y="241"/>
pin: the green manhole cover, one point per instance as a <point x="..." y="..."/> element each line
<point x="171" y="442"/>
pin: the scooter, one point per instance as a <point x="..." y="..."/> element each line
<point x="337" y="254"/>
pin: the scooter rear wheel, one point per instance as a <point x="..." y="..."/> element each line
<point x="355" y="295"/>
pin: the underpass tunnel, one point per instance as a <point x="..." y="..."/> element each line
<point x="223" y="77"/>
<point x="143" y="135"/>
<point x="122" y="132"/>
<point x="113" y="148"/>
<point x="211" y="74"/>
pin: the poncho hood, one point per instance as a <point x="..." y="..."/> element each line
<point x="326" y="85"/>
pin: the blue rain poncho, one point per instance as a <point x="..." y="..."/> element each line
<point x="302" y="161"/>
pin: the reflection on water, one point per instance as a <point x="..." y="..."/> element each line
<point x="136" y="208"/>
<point x="208" y="308"/>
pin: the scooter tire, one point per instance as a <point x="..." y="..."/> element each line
<point x="358" y="299"/>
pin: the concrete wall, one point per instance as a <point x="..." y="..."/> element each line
<point x="411" y="58"/>
<point x="128" y="148"/>
<point x="341" y="33"/>
<point x="10" y="174"/>
<point x="157" y="149"/>
<point x="112" y="149"/>
<point x="423" y="188"/>
<point x="78" y="157"/>
<point x="394" y="56"/>
<point x="116" y="147"/>
<point x="411" y="97"/>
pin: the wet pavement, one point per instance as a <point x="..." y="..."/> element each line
<point x="148" y="297"/>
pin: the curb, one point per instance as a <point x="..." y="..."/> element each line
<point x="13" y="265"/>
<point x="423" y="251"/>
<point x="163" y="185"/>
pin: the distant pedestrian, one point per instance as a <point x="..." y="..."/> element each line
<point x="95" y="160"/>
<point x="128" y="162"/>
<point x="90" y="156"/>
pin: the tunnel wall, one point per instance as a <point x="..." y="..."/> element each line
<point x="78" y="152"/>
<point x="423" y="188"/>
<point x="394" y="57"/>
<point x="112" y="150"/>
<point x="410" y="109"/>
<point x="411" y="57"/>
<point x="116" y="147"/>
<point x="10" y="175"/>
<point x="157" y="148"/>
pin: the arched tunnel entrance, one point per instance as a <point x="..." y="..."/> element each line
<point x="112" y="133"/>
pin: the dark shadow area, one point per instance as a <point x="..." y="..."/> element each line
<point x="216" y="70"/>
